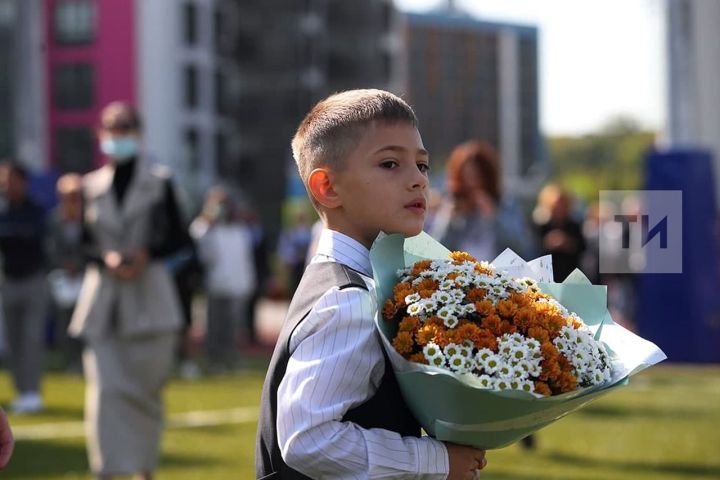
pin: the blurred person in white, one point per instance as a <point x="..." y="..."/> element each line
<point x="128" y="313"/>
<point x="66" y="252"/>
<point x="24" y="287"/>
<point x="7" y="442"/>
<point x="225" y="247"/>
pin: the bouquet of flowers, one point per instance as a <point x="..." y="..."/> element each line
<point x="502" y="332"/>
<point x="487" y="353"/>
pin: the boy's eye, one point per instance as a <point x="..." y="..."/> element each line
<point x="423" y="167"/>
<point x="389" y="164"/>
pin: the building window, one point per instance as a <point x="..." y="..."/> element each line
<point x="221" y="160"/>
<point x="73" y="86"/>
<point x="190" y="23"/>
<point x="74" y="149"/>
<point x="191" y="86"/>
<point x="74" y="21"/>
<point x="220" y="93"/>
<point x="192" y="149"/>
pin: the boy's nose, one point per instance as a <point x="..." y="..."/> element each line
<point x="419" y="180"/>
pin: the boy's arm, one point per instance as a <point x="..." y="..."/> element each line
<point x="337" y="364"/>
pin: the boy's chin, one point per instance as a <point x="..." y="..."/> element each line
<point x="408" y="232"/>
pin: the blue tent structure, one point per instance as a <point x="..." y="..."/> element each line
<point x="681" y="312"/>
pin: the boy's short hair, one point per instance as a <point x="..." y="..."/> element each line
<point x="335" y="125"/>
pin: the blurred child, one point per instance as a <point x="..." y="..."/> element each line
<point x="225" y="247"/>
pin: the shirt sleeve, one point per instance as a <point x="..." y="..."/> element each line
<point x="336" y="364"/>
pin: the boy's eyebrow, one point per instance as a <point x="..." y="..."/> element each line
<point x="400" y="149"/>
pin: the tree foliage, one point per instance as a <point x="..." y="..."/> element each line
<point x="611" y="159"/>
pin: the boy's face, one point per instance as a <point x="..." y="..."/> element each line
<point x="383" y="186"/>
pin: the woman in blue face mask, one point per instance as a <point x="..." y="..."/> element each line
<point x="128" y="313"/>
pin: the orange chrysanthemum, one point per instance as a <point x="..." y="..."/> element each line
<point x="403" y="342"/>
<point x="506" y="308"/>
<point x="418" y="357"/>
<point x="492" y="323"/>
<point x="409" y="324"/>
<point x="426" y="334"/>
<point x="484" y="307"/>
<point x="476" y="294"/>
<point x="542" y="388"/>
<point x="401" y="291"/>
<point x="390" y="309"/>
<point x="420" y="266"/>
<point x="461" y="257"/>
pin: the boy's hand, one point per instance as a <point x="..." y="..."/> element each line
<point x="464" y="461"/>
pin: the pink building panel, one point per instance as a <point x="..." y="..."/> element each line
<point x="112" y="57"/>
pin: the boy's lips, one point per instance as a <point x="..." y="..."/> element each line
<point x="417" y="205"/>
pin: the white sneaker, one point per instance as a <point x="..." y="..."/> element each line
<point x="30" y="402"/>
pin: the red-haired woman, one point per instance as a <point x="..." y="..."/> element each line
<point x="475" y="217"/>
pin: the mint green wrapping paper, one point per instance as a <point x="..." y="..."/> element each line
<point x="452" y="407"/>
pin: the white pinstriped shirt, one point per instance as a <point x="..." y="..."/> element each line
<point x="336" y="364"/>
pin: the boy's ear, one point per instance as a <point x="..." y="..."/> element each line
<point x="321" y="188"/>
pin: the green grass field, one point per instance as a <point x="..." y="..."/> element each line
<point x="665" y="425"/>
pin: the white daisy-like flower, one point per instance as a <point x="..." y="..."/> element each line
<point x="412" y="298"/>
<point x="499" y="292"/>
<point x="561" y="344"/>
<point x="432" y="350"/>
<point x="532" y="344"/>
<point x="466" y="351"/>
<point x="469" y="308"/>
<point x="505" y="348"/>
<point x="462" y="281"/>
<point x="414" y="309"/>
<point x="483" y="281"/>
<point x="447" y="314"/>
<point x="437" y="361"/>
<point x="400" y="272"/>
<point x="442" y="297"/>
<point x="427" y="273"/>
<point x="438" y="276"/>
<point x="457" y="294"/>
<point x="486" y="382"/>
<point x="487" y="265"/>
<point x="526" y="386"/>
<point x="483" y="354"/>
<point x="457" y="363"/>
<point x="505" y="370"/>
<point x="523" y="367"/>
<point x="452" y="349"/>
<point x="519" y="352"/>
<point x="515" y="338"/>
<point x="502" y="384"/>
<point x="447" y="284"/>
<point x="489" y="364"/>
<point x="429" y="305"/>
<point x="451" y="322"/>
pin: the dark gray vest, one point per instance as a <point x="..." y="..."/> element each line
<point x="386" y="409"/>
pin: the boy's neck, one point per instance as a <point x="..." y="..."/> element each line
<point x="337" y="224"/>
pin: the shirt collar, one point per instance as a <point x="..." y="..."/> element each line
<point x="343" y="249"/>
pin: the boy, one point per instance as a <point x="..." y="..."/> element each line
<point x="331" y="407"/>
